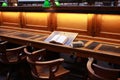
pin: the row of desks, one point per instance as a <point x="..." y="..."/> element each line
<point x="99" y="50"/>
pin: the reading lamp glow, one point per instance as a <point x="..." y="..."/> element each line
<point x="46" y="4"/>
<point x="4" y="4"/>
<point x="57" y="3"/>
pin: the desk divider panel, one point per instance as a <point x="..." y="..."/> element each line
<point x="10" y="19"/>
<point x="108" y="26"/>
<point x="0" y="19"/>
<point x="36" y="20"/>
<point x="72" y="22"/>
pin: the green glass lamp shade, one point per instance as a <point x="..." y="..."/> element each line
<point x="4" y="4"/>
<point x="46" y="3"/>
<point x="57" y="3"/>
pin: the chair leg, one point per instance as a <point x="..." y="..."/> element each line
<point x="8" y="76"/>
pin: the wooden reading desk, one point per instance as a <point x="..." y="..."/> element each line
<point x="101" y="50"/>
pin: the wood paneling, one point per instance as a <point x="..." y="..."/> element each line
<point x="10" y="19"/>
<point x="36" y="20"/>
<point x="72" y="22"/>
<point x="91" y="24"/>
<point x="110" y="23"/>
<point x="0" y="19"/>
<point x="109" y="26"/>
<point x="95" y="25"/>
<point x="52" y="22"/>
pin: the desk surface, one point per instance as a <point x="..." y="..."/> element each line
<point x="98" y="49"/>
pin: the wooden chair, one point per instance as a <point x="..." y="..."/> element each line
<point x="96" y="72"/>
<point x="45" y="70"/>
<point x="11" y="56"/>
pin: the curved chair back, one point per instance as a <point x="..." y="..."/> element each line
<point x="41" y="69"/>
<point x="12" y="55"/>
<point x="96" y="72"/>
<point x="3" y="51"/>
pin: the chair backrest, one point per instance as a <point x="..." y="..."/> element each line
<point x="96" y="72"/>
<point x="3" y="51"/>
<point x="42" y="69"/>
<point x="12" y="55"/>
<point x="34" y="54"/>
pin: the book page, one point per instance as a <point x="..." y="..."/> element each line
<point x="62" y="39"/>
<point x="55" y="38"/>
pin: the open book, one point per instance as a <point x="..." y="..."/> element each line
<point x="60" y="39"/>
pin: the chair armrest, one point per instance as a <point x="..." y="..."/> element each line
<point x="90" y="70"/>
<point x="36" y="55"/>
<point x="51" y="62"/>
<point x="89" y="65"/>
<point x="26" y="51"/>
<point x="3" y="42"/>
<point x="34" y="52"/>
<point x="107" y="69"/>
<point x="13" y="49"/>
<point x="39" y="51"/>
<point x="15" y="54"/>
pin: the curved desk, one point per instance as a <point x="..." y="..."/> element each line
<point x="97" y="49"/>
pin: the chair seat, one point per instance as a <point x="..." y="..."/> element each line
<point x="97" y="72"/>
<point x="11" y="60"/>
<point x="44" y="73"/>
<point x="45" y="69"/>
<point x="61" y="71"/>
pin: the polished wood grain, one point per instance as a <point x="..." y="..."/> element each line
<point x="36" y="20"/>
<point x="108" y="26"/>
<point x="72" y="22"/>
<point x="95" y="25"/>
<point x="0" y="19"/>
<point x="52" y="23"/>
<point x="112" y="57"/>
<point x="10" y="19"/>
